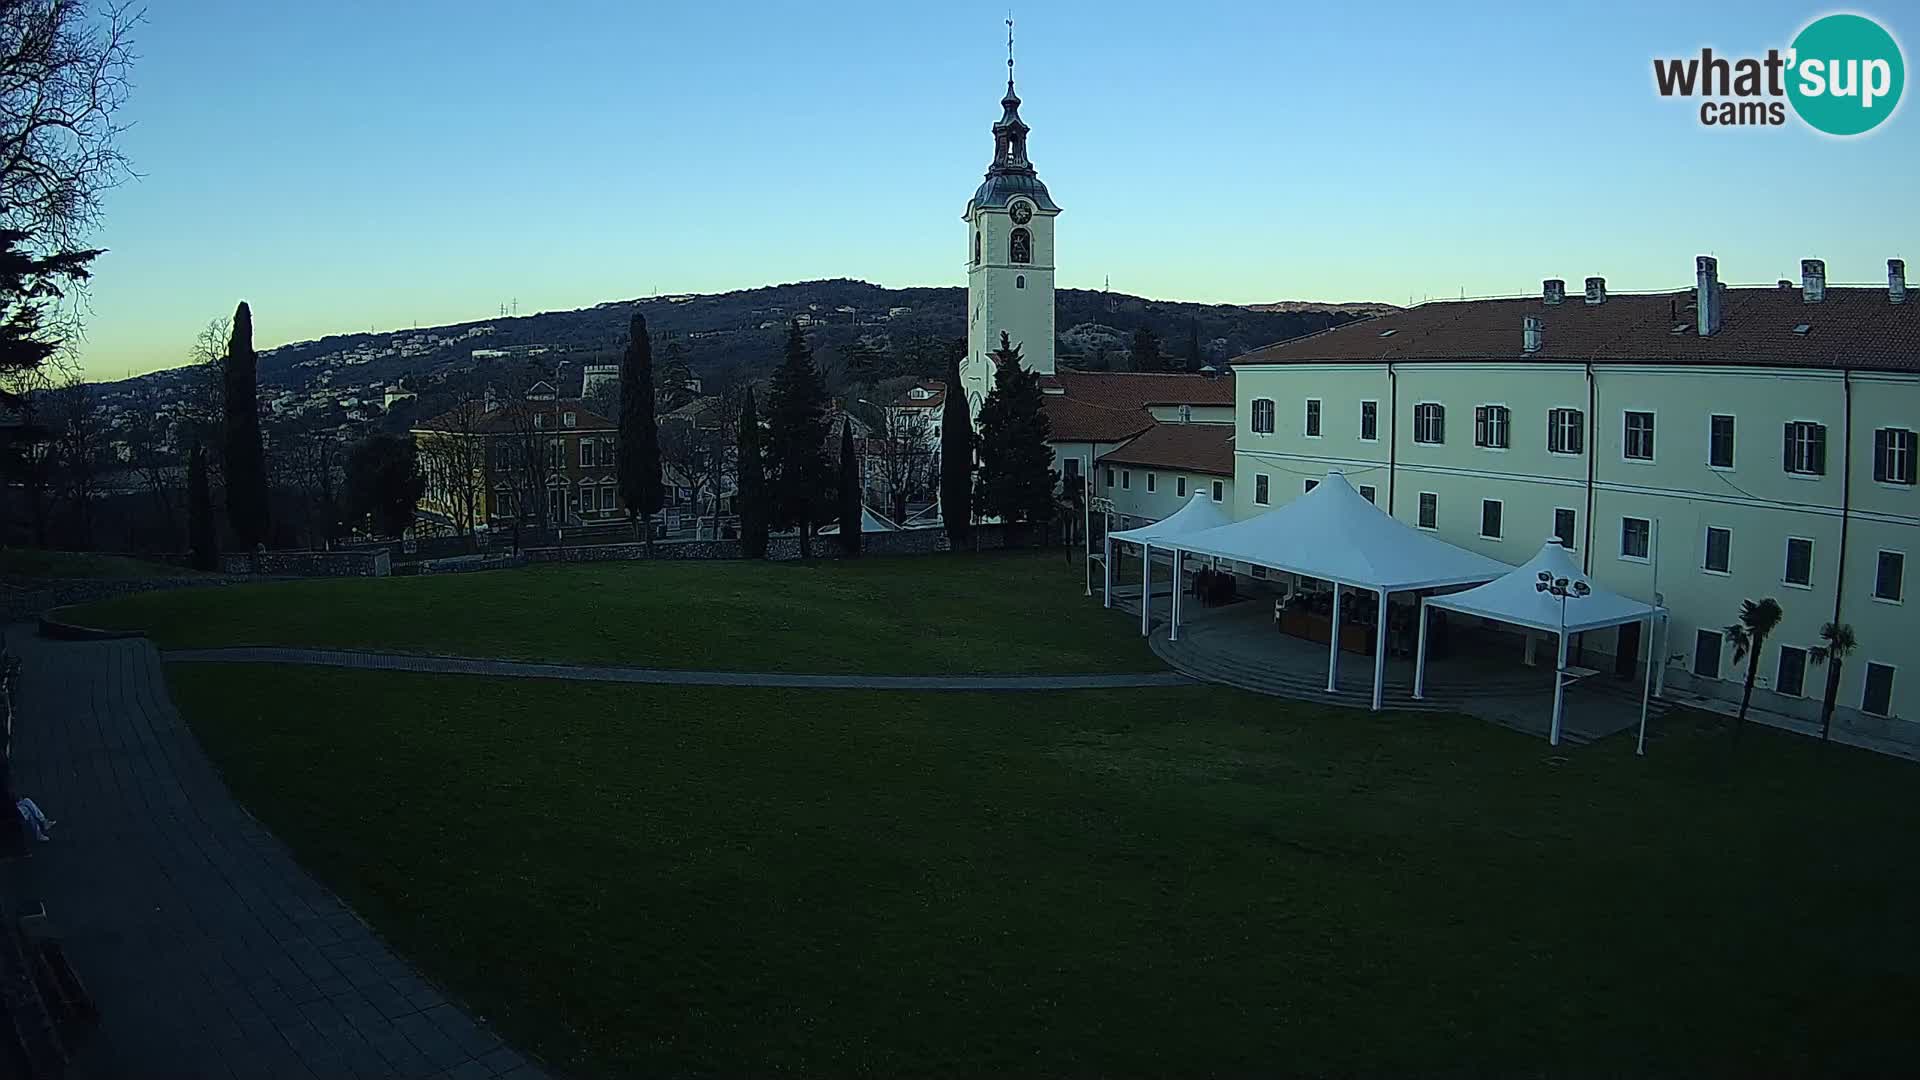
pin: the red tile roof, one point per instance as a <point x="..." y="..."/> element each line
<point x="1077" y="421"/>
<point x="1139" y="389"/>
<point x="1201" y="448"/>
<point x="1856" y="328"/>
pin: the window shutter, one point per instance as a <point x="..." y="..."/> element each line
<point x="1880" y="440"/>
<point x="1820" y="449"/>
<point x="1786" y="453"/>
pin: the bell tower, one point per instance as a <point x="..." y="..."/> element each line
<point x="1009" y="255"/>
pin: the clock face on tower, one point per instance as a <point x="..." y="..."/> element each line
<point x="1022" y="213"/>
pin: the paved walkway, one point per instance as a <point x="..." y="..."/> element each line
<point x="669" y="677"/>
<point x="208" y="950"/>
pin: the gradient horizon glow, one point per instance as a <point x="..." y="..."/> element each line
<point x="351" y="166"/>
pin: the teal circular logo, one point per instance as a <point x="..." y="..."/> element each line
<point x="1846" y="74"/>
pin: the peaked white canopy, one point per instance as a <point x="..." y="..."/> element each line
<point x="1200" y="513"/>
<point x="870" y="522"/>
<point x="1513" y="598"/>
<point x="1335" y="534"/>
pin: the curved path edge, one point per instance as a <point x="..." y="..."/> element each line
<point x="527" y="669"/>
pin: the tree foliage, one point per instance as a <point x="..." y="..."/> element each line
<point x="1757" y="620"/>
<point x="800" y="478"/>
<point x="1016" y="464"/>
<point x="750" y="488"/>
<point x="850" y="495"/>
<point x="1145" y="355"/>
<point x="639" y="450"/>
<point x="1839" y="644"/>
<point x="384" y="482"/>
<point x="956" y="456"/>
<point x="202" y="533"/>
<point x="245" y="465"/>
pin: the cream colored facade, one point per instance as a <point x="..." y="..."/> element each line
<point x="1143" y="494"/>
<point x="1759" y="504"/>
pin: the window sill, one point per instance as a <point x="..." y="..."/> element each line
<point x="1636" y="460"/>
<point x="1890" y="601"/>
<point x="1716" y="573"/>
<point x="1791" y="475"/>
<point x="1641" y="559"/>
<point x="1567" y="453"/>
<point x="1797" y="585"/>
<point x="1720" y="468"/>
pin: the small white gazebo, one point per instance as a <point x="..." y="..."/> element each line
<point x="1551" y="595"/>
<point x="1335" y="534"/>
<point x="1200" y="513"/>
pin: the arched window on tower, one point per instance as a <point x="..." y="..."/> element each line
<point x="1020" y="281"/>
<point x="1022" y="247"/>
<point x="976" y="247"/>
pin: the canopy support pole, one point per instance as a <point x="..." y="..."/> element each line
<point x="1333" y="644"/>
<point x="1173" y="624"/>
<point x="1660" y="673"/>
<point x="1559" y="691"/>
<point x="1380" y="655"/>
<point x="1646" y="692"/>
<point x="1146" y="589"/>
<point x="1420" y="656"/>
<point x="1106" y="573"/>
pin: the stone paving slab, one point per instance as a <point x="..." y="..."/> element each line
<point x="455" y="665"/>
<point x="210" y="952"/>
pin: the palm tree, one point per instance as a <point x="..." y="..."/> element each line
<point x="1839" y="645"/>
<point x="1756" y="622"/>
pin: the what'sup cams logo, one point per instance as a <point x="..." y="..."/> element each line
<point x="1842" y="75"/>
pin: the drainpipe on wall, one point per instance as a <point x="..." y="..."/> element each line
<point x="1593" y="432"/>
<point x="1393" y="431"/>
<point x="1846" y="488"/>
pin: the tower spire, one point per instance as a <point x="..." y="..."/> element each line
<point x="1010" y="133"/>
<point x="1009" y="52"/>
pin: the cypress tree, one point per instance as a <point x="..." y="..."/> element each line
<point x="1016" y="474"/>
<point x="1146" y="351"/>
<point x="801" y="477"/>
<point x="851" y="497"/>
<point x="1194" y="360"/>
<point x="750" y="490"/>
<point x="956" y="457"/>
<point x="202" y="542"/>
<point x="245" y="460"/>
<point x="638" y="463"/>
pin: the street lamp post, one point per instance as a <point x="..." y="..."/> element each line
<point x="1562" y="588"/>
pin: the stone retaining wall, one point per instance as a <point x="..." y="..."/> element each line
<point x="374" y="563"/>
<point x="781" y="548"/>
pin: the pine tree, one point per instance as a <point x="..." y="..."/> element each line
<point x="1146" y="351"/>
<point x="1194" y="360"/>
<point x="1016" y="474"/>
<point x="956" y="457"/>
<point x="202" y="541"/>
<point x="851" y="498"/>
<point x="638" y="463"/>
<point x="750" y="487"/>
<point x="800" y="476"/>
<point x="245" y="460"/>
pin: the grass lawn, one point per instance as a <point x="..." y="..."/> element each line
<point x="645" y="880"/>
<point x="1011" y="613"/>
<point x="32" y="562"/>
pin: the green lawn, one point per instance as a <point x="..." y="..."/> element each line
<point x="644" y="880"/>
<point x="32" y="562"/>
<point x="996" y="613"/>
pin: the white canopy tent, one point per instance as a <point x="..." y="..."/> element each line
<point x="1335" y="534"/>
<point x="1519" y="599"/>
<point x="1200" y="513"/>
<point x="870" y="522"/>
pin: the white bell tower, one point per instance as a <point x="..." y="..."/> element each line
<point x="1009" y="256"/>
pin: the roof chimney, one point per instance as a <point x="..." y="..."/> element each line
<point x="1596" y="290"/>
<point x="1813" y="280"/>
<point x="1553" y="290"/>
<point x="1897" y="280"/>
<point x="1706" y="295"/>
<point x="1531" y="332"/>
<point x="1785" y="284"/>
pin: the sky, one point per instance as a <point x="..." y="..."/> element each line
<point x="351" y="166"/>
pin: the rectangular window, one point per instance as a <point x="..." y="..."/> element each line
<point x="1720" y="441"/>
<point x="1070" y="470"/>
<point x="1887" y="576"/>
<point x="1893" y="456"/>
<point x="1634" y="536"/>
<point x="1799" y="561"/>
<point x="1313" y="418"/>
<point x="1369" y="421"/>
<point x="606" y="497"/>
<point x="1877" y="698"/>
<point x="1153" y="480"/>
<point x="1566" y="431"/>
<point x="1639" y="436"/>
<point x="1219" y="490"/>
<point x="1309" y="486"/>
<point x="1126" y="479"/>
<point x="1563" y="526"/>
<point x="606" y="451"/>
<point x="1263" y="416"/>
<point x="1429" y="510"/>
<point x="1367" y="492"/>
<point x="1490" y="424"/>
<point x="1792" y="677"/>
<point x="1805" y="449"/>
<point x="1490" y="511"/>
<point x="586" y="452"/>
<point x="1109" y="475"/>
<point x="1719" y="549"/>
<point x="1430" y="423"/>
<point x="1180" y="487"/>
<point x="1260" y="489"/>
<point x="1707" y="645"/>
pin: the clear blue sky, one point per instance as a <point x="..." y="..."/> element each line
<point x="352" y="165"/>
